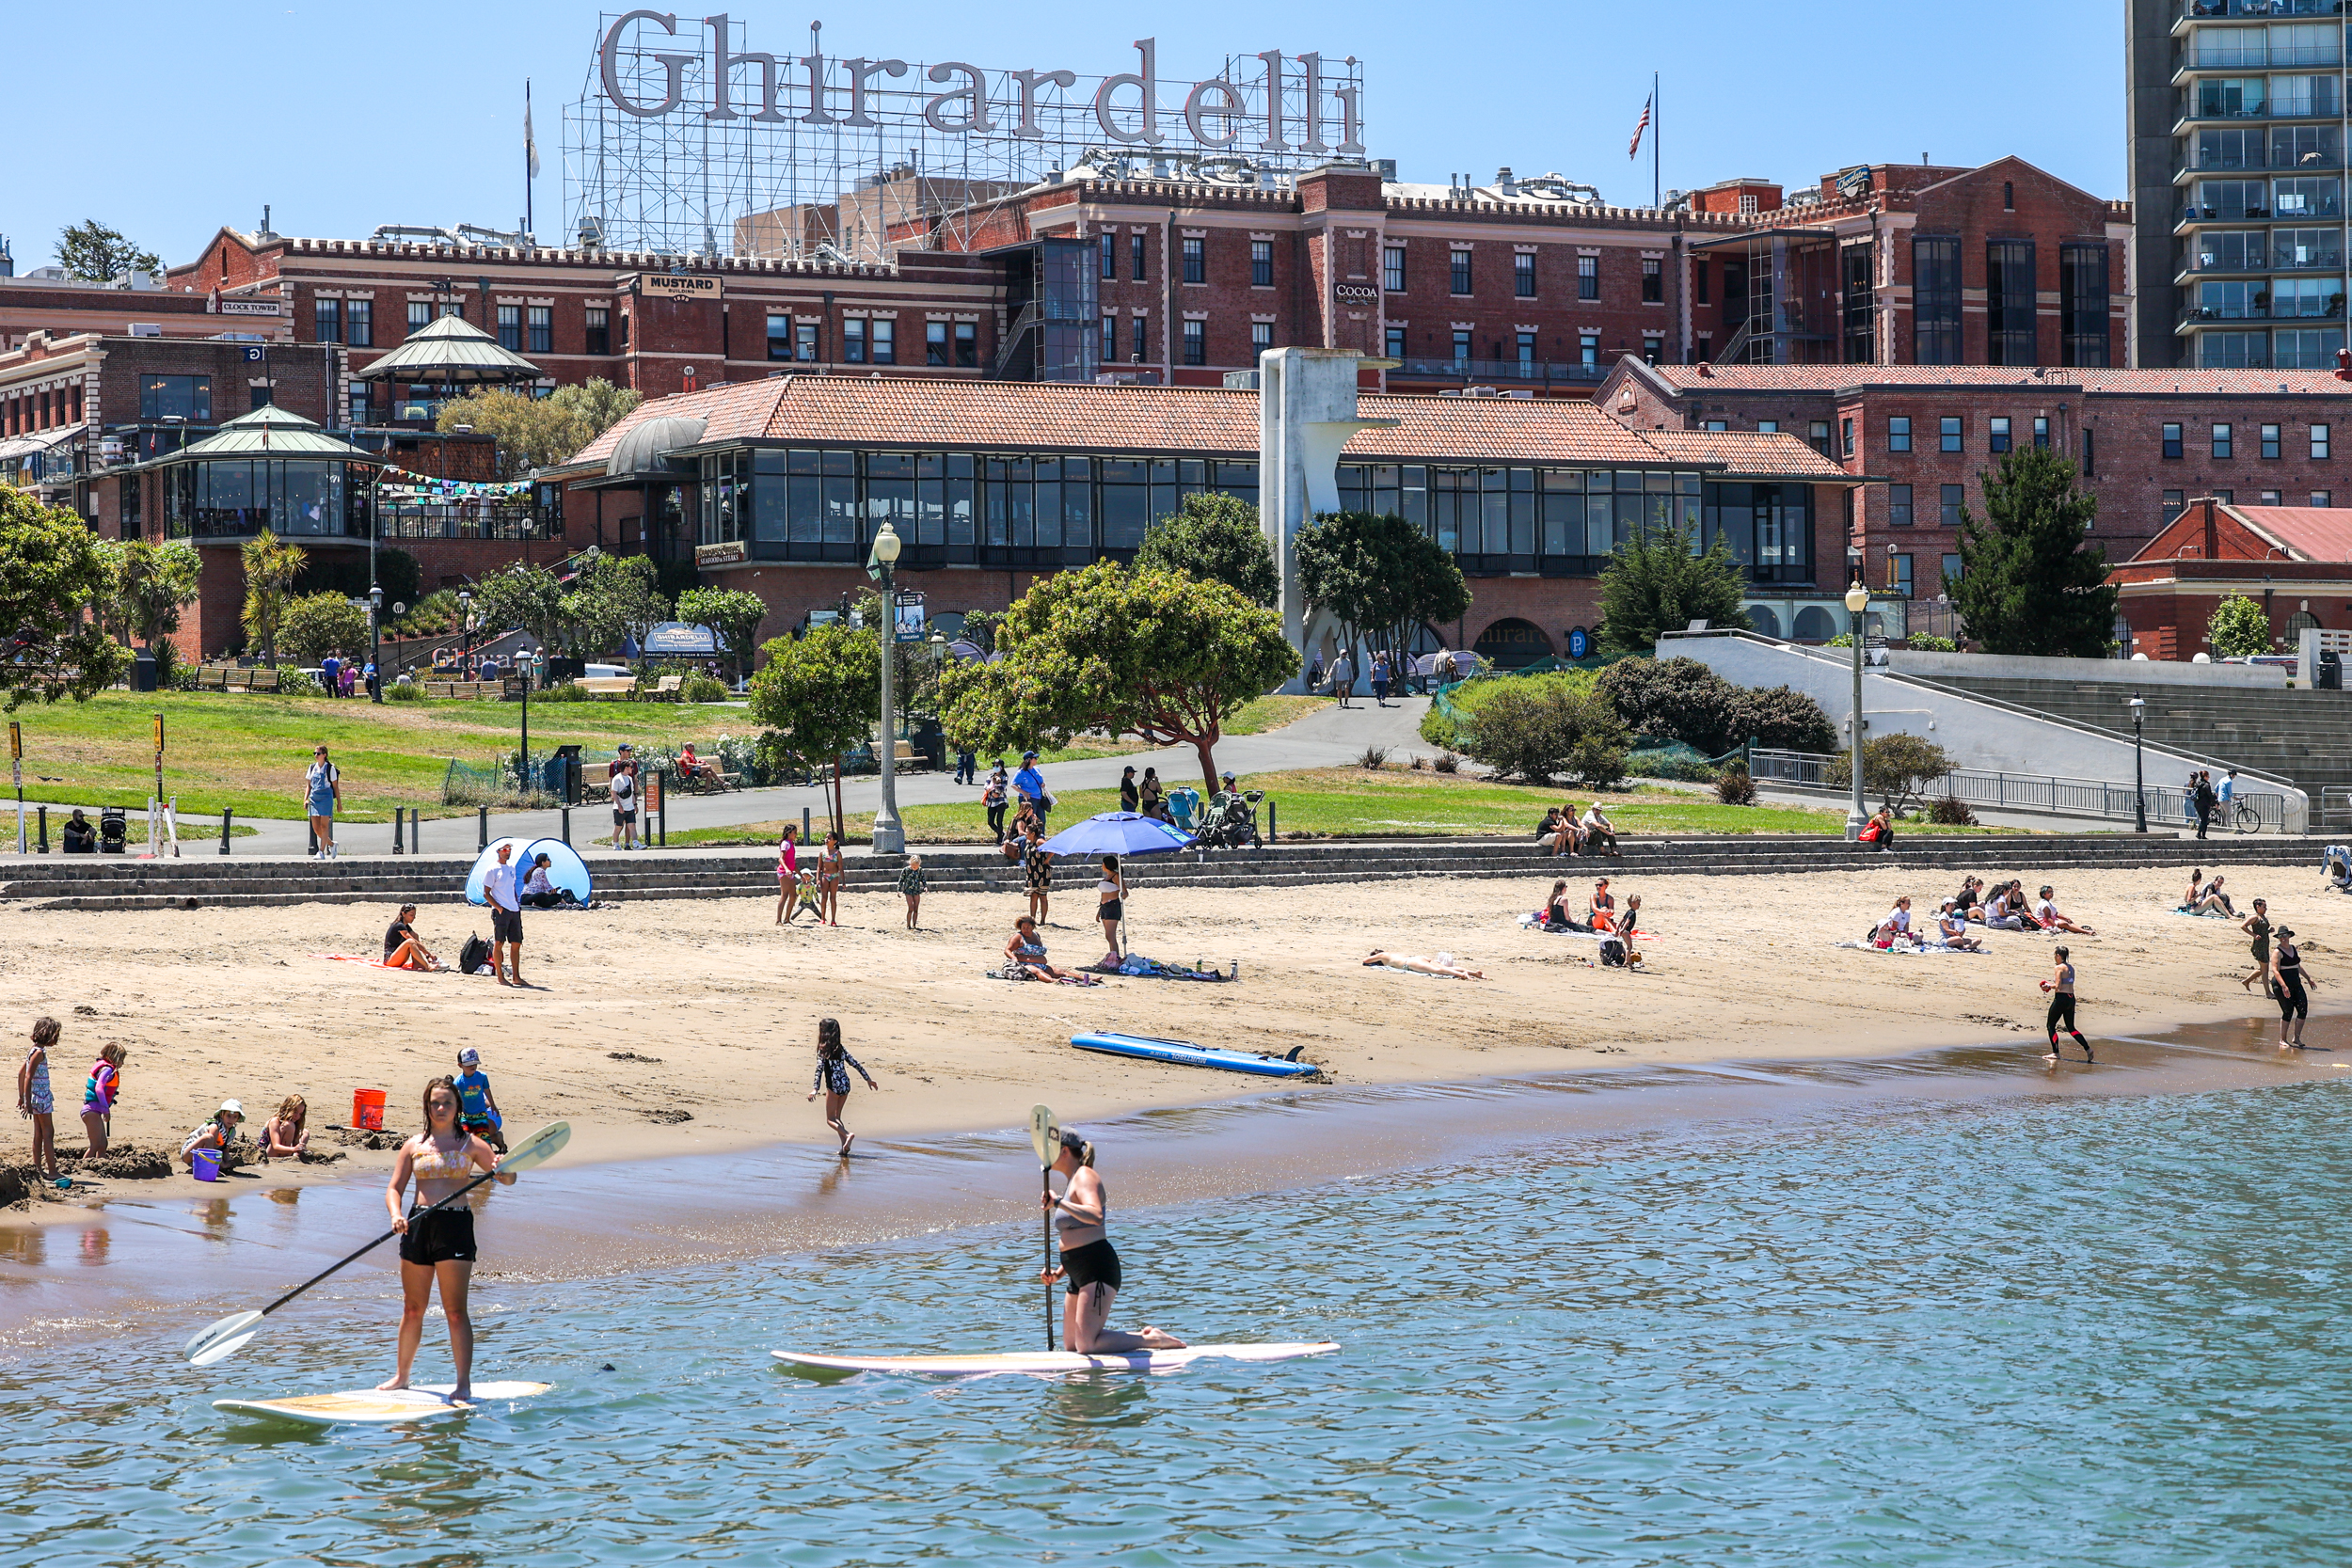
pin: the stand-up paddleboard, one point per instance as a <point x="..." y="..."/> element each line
<point x="425" y="1403"/>
<point x="1185" y="1053"/>
<point x="1051" y="1361"/>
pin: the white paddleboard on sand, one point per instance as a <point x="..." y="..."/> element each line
<point x="1051" y="1361"/>
<point x="425" y="1403"/>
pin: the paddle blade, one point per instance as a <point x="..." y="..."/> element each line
<point x="1044" y="1134"/>
<point x="218" y="1342"/>
<point x="537" y="1149"/>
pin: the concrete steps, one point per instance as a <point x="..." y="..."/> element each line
<point x="195" y="883"/>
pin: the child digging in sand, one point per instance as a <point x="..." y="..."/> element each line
<point x="834" y="1062"/>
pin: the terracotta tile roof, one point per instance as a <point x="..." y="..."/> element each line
<point x="909" y="411"/>
<point x="1783" y="456"/>
<point x="2312" y="532"/>
<point x="1825" y="378"/>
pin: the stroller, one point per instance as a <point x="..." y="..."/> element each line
<point x="2338" y="861"/>
<point x="1230" y="820"/>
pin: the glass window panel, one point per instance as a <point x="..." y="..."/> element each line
<point x="1124" y="513"/>
<point x="959" y="508"/>
<point x="1601" y="529"/>
<point x="840" y="507"/>
<point x="805" y="509"/>
<point x="1077" y="507"/>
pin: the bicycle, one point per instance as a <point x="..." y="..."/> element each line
<point x="2243" y="818"/>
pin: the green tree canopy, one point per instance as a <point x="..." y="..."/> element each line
<point x="54" y="585"/>
<point x="612" y="597"/>
<point x="1378" y="576"/>
<point x="317" y="624"/>
<point x="151" y="585"/>
<point x="526" y="597"/>
<point x="95" y="253"/>
<point x="1161" y="655"/>
<point x="1659" y="581"/>
<point x="2238" y="629"/>
<point x="2031" y="581"/>
<point x="822" y="692"/>
<point x="733" y="613"/>
<point x="1217" y="539"/>
<point x="535" y="433"/>
<point x="270" y="569"/>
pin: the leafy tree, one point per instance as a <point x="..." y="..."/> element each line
<point x="317" y="624"/>
<point x="530" y="597"/>
<point x="733" y="613"/>
<point x="1162" y="656"/>
<point x="1677" y="698"/>
<point x="2238" y="629"/>
<point x="1378" y="576"/>
<point x="1782" y="719"/>
<point x="270" y="569"/>
<point x="821" y="691"/>
<point x="979" y="629"/>
<point x="1217" y="538"/>
<point x="613" y="597"/>
<point x="1659" y="581"/>
<point x="2030" y="581"/>
<point x="536" y="432"/>
<point x="1897" y="769"/>
<point x="1536" y="727"/>
<point x="94" y="253"/>
<point x="150" y="585"/>
<point x="53" y="584"/>
<point x="430" y="616"/>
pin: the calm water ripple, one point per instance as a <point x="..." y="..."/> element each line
<point x="2095" y="1331"/>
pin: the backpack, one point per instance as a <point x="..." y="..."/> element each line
<point x="1612" y="953"/>
<point x="474" y="956"/>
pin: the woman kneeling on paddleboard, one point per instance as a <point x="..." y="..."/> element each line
<point x="437" y="1244"/>
<point x="1088" y="1261"/>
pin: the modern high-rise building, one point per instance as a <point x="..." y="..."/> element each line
<point x="2237" y="136"/>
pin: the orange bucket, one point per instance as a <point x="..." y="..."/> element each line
<point x="367" y="1109"/>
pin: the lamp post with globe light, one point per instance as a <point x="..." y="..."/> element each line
<point x="890" y="836"/>
<point x="2139" y="779"/>
<point x="1857" y="601"/>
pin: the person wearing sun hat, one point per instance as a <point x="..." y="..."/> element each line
<point x="1029" y="785"/>
<point x="217" y="1134"/>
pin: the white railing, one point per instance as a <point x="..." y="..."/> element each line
<point x="2165" y="804"/>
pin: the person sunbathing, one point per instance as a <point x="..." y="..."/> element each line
<point x="1951" y="928"/>
<point x="2047" y="917"/>
<point x="2195" y="902"/>
<point x="2215" y="898"/>
<point x="1604" y="906"/>
<point x="1419" y="965"/>
<point x="1024" y="951"/>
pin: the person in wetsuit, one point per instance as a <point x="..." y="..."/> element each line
<point x="2061" y="989"/>
<point x="1088" y="1262"/>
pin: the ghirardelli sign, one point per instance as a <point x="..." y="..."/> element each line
<point x="1286" y="105"/>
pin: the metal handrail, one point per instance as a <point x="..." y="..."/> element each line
<point x="2048" y="793"/>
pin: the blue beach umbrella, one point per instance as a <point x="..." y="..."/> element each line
<point x="1119" y="833"/>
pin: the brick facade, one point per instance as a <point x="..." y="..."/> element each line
<point x="2295" y="563"/>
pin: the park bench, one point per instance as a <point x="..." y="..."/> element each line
<point x="236" y="680"/>
<point x="668" y="688"/>
<point x="607" y="686"/>
<point x="213" y="677"/>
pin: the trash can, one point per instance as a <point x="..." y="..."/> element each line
<point x="2329" y="675"/>
<point x="143" y="671"/>
<point x="563" y="775"/>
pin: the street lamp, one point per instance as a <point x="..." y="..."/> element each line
<point x="890" y="837"/>
<point x="376" y="643"/>
<point x="2139" y="781"/>
<point x="1857" y="600"/>
<point x="465" y="628"/>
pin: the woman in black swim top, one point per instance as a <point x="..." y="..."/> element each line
<point x="2287" y="977"/>
<point x="1090" y="1262"/>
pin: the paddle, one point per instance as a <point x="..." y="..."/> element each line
<point x="1045" y="1137"/>
<point x="224" y="1339"/>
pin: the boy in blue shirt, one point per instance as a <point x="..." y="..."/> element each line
<point x="477" y="1107"/>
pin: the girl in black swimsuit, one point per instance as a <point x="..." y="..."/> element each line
<point x="2287" y="977"/>
<point x="1090" y="1262"/>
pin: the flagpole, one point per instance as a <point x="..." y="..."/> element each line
<point x="1657" y="123"/>
<point x="527" y="151"/>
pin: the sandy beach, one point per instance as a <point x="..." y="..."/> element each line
<point x="647" y="1010"/>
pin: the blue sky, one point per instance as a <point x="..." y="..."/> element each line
<point x="168" y="121"/>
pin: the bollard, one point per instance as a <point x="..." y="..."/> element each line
<point x="567" y="824"/>
<point x="1273" y="832"/>
<point x="412" y="830"/>
<point x="485" y="827"/>
<point x="226" y="815"/>
<point x="397" y="825"/>
<point x="804" y="824"/>
<point x="44" y="830"/>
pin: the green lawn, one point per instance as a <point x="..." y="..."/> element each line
<point x="248" y="752"/>
<point x="1350" y="803"/>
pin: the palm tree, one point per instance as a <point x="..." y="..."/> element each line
<point x="270" y="569"/>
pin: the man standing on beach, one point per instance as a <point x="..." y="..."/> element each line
<point x="507" y="917"/>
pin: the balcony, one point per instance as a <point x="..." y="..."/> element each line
<point x="1535" y="373"/>
<point x="2191" y="216"/>
<point x="2326" y="260"/>
<point x="2210" y="10"/>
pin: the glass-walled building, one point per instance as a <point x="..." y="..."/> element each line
<point x="270" y="469"/>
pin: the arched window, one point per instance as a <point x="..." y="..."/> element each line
<point x="1814" y="625"/>
<point x="1762" y="617"/>
<point x="1512" y="643"/>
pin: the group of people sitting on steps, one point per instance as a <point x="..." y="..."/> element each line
<point x="1563" y="832"/>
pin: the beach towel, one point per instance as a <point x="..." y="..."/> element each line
<point x="352" y="958"/>
<point x="1136" y="967"/>
<point x="1017" y="973"/>
<point x="1535" y="922"/>
<point x="1910" y="950"/>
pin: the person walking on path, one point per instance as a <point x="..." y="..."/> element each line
<point x="98" y="1093"/>
<point x="35" y="1100"/>
<point x="788" y="875"/>
<point x="995" y="796"/>
<point x="829" y="881"/>
<point x="2258" y="927"/>
<point x="501" y="885"/>
<point x="1040" y="869"/>
<point x="1380" y="680"/>
<point x="1344" y="676"/>
<point x="2061" y="986"/>
<point x="967" y="767"/>
<point x="911" y="882"/>
<point x="2287" y="980"/>
<point x="834" y="1062"/>
<point x="322" y="794"/>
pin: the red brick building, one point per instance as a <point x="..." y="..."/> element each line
<point x="2146" y="441"/>
<point x="2295" y="562"/>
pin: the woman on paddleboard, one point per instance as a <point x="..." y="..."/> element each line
<point x="437" y="1244"/>
<point x="1088" y="1262"/>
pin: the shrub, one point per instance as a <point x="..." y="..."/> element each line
<point x="1951" y="812"/>
<point x="1733" y="787"/>
<point x="1931" y="644"/>
<point x="1535" y="727"/>
<point x="1668" y="764"/>
<point x="1783" y="719"/>
<point x="1440" y="731"/>
<point x="399" y="693"/>
<point x="1595" y="761"/>
<point x="566" y="692"/>
<point x="1416" y="762"/>
<point x="1677" y="698"/>
<point x="183" y="677"/>
<point x="702" y="689"/>
<point x="294" y="683"/>
<point x="1373" y="759"/>
<point x="1446" y="762"/>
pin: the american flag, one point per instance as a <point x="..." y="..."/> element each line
<point x="1635" y="148"/>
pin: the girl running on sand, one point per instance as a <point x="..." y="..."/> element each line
<point x="834" y="1062"/>
<point x="2287" y="979"/>
<point x="34" y="1098"/>
<point x="1088" y="1262"/>
<point x="2061" y="989"/>
<point x="436" y="1245"/>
